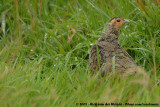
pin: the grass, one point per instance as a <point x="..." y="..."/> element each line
<point x="44" y="52"/>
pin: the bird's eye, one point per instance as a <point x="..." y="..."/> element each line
<point x="118" y="20"/>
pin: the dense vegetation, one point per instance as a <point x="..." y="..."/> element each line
<point x="44" y="52"/>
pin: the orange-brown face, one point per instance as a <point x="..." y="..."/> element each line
<point x="118" y="22"/>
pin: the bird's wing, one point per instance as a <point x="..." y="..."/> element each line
<point x="127" y="55"/>
<point x="93" y="59"/>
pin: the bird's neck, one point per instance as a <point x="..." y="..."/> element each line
<point x="112" y="30"/>
<point x="110" y="35"/>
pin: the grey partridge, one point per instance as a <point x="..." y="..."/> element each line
<point x="107" y="47"/>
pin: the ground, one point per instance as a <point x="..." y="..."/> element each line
<point x="44" y="52"/>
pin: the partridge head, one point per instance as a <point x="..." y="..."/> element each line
<point x="115" y="24"/>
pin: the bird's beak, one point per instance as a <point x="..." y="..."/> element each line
<point x="126" y="21"/>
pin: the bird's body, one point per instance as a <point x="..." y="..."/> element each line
<point x="109" y="47"/>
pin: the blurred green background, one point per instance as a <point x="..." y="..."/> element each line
<point x="44" y="52"/>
